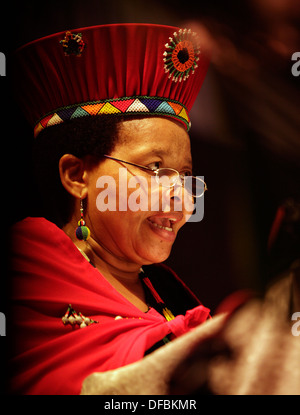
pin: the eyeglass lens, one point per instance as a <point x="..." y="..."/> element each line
<point x="168" y="178"/>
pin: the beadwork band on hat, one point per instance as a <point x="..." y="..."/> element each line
<point x="118" y="69"/>
<point x="130" y="106"/>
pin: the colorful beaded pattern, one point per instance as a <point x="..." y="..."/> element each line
<point x="181" y="55"/>
<point x="137" y="105"/>
<point x="73" y="318"/>
<point x="82" y="232"/>
<point x="72" y="44"/>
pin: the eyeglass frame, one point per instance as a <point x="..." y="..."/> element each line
<point x="155" y="171"/>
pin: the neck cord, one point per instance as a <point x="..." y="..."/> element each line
<point x="166" y="312"/>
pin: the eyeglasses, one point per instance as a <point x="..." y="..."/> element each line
<point x="168" y="177"/>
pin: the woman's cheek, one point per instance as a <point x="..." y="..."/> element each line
<point x="126" y="192"/>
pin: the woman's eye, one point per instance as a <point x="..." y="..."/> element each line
<point x="186" y="173"/>
<point x="154" y="166"/>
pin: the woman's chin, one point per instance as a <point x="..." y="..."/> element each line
<point x="155" y="255"/>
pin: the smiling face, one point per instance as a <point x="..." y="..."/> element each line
<point x="144" y="236"/>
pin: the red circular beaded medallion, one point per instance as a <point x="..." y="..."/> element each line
<point x="181" y="55"/>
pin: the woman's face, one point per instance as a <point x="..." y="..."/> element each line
<point x="146" y="235"/>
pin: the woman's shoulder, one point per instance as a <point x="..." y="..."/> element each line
<point x="33" y="224"/>
<point x="34" y="234"/>
<point x="40" y="252"/>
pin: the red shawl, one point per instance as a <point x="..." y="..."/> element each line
<point x="48" y="274"/>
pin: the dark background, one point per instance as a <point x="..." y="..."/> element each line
<point x="245" y="132"/>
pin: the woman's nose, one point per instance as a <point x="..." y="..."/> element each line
<point x="173" y="198"/>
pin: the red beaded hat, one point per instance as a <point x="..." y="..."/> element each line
<point x="134" y="69"/>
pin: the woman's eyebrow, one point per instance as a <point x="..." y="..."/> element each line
<point x="157" y="152"/>
<point x="163" y="153"/>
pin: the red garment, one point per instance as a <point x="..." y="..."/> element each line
<point x="48" y="274"/>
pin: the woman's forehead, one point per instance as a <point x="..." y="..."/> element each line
<point x="154" y="137"/>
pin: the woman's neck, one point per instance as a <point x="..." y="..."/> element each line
<point x="102" y="258"/>
<point x="121" y="274"/>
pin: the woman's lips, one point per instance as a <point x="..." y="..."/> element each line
<point x="162" y="225"/>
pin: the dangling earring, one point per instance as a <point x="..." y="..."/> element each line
<point x="82" y="232"/>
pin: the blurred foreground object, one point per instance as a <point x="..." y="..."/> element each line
<point x="265" y="355"/>
<point x="251" y="352"/>
<point x="253" y="349"/>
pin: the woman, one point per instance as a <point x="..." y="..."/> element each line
<point x="108" y="104"/>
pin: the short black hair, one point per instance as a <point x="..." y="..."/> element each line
<point x="93" y="136"/>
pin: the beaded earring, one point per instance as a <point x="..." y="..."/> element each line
<point x="82" y="232"/>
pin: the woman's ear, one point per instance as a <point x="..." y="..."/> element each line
<point x="73" y="175"/>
